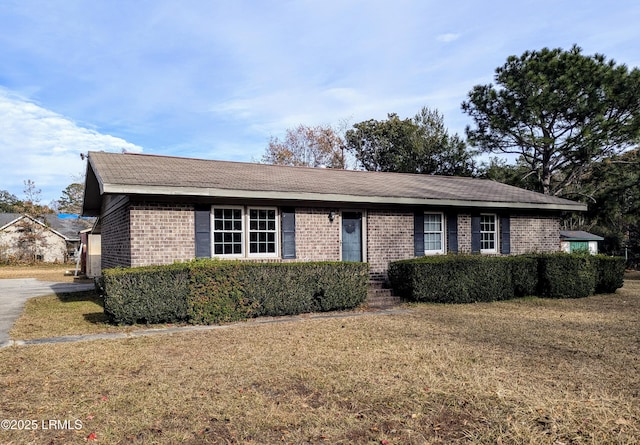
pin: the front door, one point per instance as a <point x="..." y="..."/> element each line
<point x="352" y="236"/>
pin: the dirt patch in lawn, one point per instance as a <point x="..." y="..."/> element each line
<point x="530" y="371"/>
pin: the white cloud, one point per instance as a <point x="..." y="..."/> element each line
<point x="448" y="37"/>
<point x="43" y="146"/>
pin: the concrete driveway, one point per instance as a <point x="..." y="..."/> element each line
<point x="14" y="293"/>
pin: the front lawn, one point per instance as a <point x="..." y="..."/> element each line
<point x="41" y="271"/>
<point x="74" y="313"/>
<point x="530" y="371"/>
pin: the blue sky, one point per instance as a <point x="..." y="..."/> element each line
<point x="216" y="79"/>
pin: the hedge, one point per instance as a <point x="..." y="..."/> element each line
<point x="463" y="278"/>
<point x="566" y="276"/>
<point x="610" y="273"/>
<point x="473" y="278"/>
<point x="155" y="294"/>
<point x="214" y="291"/>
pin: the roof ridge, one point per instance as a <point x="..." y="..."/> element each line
<point x="298" y="167"/>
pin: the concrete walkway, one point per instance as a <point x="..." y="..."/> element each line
<point x="14" y="293"/>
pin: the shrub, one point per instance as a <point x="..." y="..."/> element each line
<point x="524" y="274"/>
<point x="462" y="278"/>
<point x="154" y="294"/>
<point x="270" y="289"/>
<point x="563" y="275"/>
<point x="214" y="291"/>
<point x="610" y="273"/>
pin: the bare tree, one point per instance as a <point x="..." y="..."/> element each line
<point x="319" y="146"/>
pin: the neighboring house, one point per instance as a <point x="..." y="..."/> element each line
<point x="50" y="239"/>
<point x="572" y="241"/>
<point x="158" y="209"/>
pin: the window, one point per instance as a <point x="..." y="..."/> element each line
<point x="227" y="231"/>
<point x="433" y="233"/>
<point x="488" y="234"/>
<point x="240" y="231"/>
<point x="262" y="231"/>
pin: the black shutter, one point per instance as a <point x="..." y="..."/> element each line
<point x="505" y="235"/>
<point x="418" y="234"/>
<point x="452" y="233"/>
<point x="203" y="232"/>
<point x="288" y="233"/>
<point x="475" y="233"/>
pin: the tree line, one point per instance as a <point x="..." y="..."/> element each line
<point x="70" y="201"/>
<point x="571" y="123"/>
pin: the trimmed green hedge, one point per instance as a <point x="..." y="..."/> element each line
<point x="214" y="291"/>
<point x="463" y="278"/>
<point x="473" y="278"/>
<point x="155" y="294"/>
<point x="566" y="276"/>
<point x="610" y="273"/>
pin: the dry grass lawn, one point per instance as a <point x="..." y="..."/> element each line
<point x="74" y="313"/>
<point x="529" y="371"/>
<point x="40" y="271"/>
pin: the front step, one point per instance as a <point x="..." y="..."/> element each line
<point x="381" y="297"/>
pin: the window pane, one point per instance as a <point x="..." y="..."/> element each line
<point x="433" y="234"/>
<point x="488" y="232"/>
<point x="432" y="222"/>
<point x="432" y="241"/>
<point x="262" y="231"/>
<point x="227" y="231"/>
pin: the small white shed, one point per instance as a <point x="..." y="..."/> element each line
<point x="572" y="241"/>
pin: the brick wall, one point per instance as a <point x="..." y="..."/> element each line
<point x="464" y="233"/>
<point x="389" y="238"/>
<point x="161" y="233"/>
<point x="116" y="241"/>
<point x="136" y="234"/>
<point x="317" y="238"/>
<point x="535" y="234"/>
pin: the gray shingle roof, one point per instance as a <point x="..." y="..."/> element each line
<point x="162" y="175"/>
<point x="579" y="235"/>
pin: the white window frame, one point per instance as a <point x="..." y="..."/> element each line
<point x="441" y="232"/>
<point x="246" y="231"/>
<point x="494" y="232"/>
<point x="275" y="231"/>
<point x="242" y="232"/>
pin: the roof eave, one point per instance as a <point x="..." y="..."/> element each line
<point x="126" y="189"/>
